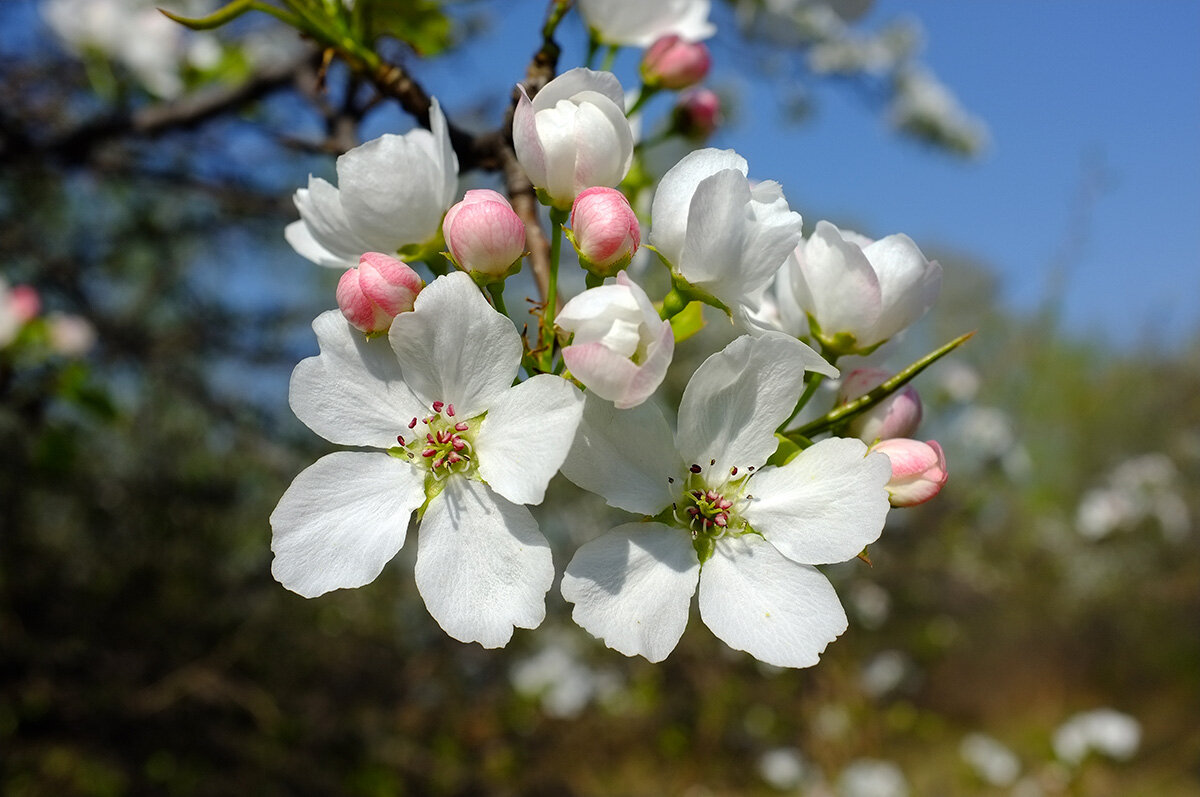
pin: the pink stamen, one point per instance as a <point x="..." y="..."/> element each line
<point x="720" y="520"/>
<point x="458" y="444"/>
<point x="412" y="424"/>
<point x="429" y="452"/>
<point x="733" y="471"/>
<point x="400" y="439"/>
<point x="450" y="410"/>
<point x="695" y="469"/>
<point x="462" y="426"/>
<point x="437" y="406"/>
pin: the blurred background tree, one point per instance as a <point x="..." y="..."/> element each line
<point x="145" y="648"/>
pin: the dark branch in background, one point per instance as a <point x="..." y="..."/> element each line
<point x="77" y="145"/>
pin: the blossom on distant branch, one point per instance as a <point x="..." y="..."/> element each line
<point x="460" y="446"/>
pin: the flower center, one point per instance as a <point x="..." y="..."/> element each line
<point x="711" y="509"/>
<point x="441" y="441"/>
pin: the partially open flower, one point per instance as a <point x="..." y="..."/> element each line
<point x="621" y="348"/>
<point x="673" y="63"/>
<point x="484" y="234"/>
<point x="918" y="470"/>
<point x="640" y="22"/>
<point x="573" y="135"/>
<point x="381" y="288"/>
<point x="898" y="415"/>
<point x="605" y="230"/>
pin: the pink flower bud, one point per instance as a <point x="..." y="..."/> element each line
<point x="484" y="234"/>
<point x="697" y="114"/>
<point x="672" y="63"/>
<point x="24" y="302"/>
<point x="898" y="415"/>
<point x="918" y="470"/>
<point x="381" y="288"/>
<point x="605" y="230"/>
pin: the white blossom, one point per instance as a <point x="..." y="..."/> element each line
<point x="1104" y="730"/>
<point x="461" y="447"/>
<point x="640" y="22"/>
<point x="993" y="762"/>
<point x="746" y="535"/>
<point x="391" y="195"/>
<point x="718" y="232"/>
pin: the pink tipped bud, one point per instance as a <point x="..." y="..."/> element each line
<point x="23" y="302"/>
<point x="381" y="288"/>
<point x="697" y="114"/>
<point x="485" y="236"/>
<point x="672" y="63"/>
<point x="898" y="415"/>
<point x="918" y="470"/>
<point x="605" y="230"/>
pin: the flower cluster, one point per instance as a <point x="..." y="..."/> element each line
<point x="470" y="409"/>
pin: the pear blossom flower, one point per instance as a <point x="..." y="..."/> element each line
<point x="604" y="230"/>
<point x="573" y="135"/>
<point x="918" y="470"/>
<point x="458" y="444"/>
<point x="484" y="234"/>
<point x="674" y="63"/>
<point x="638" y="23"/>
<point x="898" y="415"/>
<point x="857" y="296"/>
<point x="621" y="348"/>
<point x="381" y="288"/>
<point x="1104" y="730"/>
<point x="723" y="236"/>
<point x="391" y="195"/>
<point x="746" y="535"/>
<point x="70" y="335"/>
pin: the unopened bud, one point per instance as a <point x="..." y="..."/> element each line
<point x="673" y="63"/>
<point x="898" y="415"/>
<point x="381" y="288"/>
<point x="485" y="235"/>
<point x="918" y="470"/>
<point x="605" y="230"/>
<point x="697" y="114"/>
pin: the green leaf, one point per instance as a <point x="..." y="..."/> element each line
<point x="419" y="23"/>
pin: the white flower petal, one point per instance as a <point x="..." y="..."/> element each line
<point x="352" y="393"/>
<point x="755" y="599"/>
<point x="342" y="519"/>
<point x="301" y="239"/>
<point x="526" y="436"/>
<point x="716" y="233"/>
<point x="578" y="80"/>
<point x="737" y="398"/>
<point x="320" y="207"/>
<point x="826" y="505"/>
<point x="455" y="348"/>
<point x="673" y="198"/>
<point x="908" y="283"/>
<point x="483" y="566"/>
<point x="633" y="588"/>
<point x="624" y="456"/>
<point x="836" y="285"/>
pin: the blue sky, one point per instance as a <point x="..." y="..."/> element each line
<point x="1072" y="92"/>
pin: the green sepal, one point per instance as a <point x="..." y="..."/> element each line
<point x="688" y="321"/>
<point x="844" y="413"/>
<point x="705" y="547"/>
<point x="787" y="450"/>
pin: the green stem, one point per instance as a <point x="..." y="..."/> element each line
<point x="496" y="289"/>
<point x="810" y="388"/>
<point x="609" y="57"/>
<point x="557" y="219"/>
<point x="646" y="93"/>
<point x="845" y="412"/>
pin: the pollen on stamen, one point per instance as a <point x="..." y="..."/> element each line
<point x="429" y="452"/>
<point x="695" y="469"/>
<point x="733" y="471"/>
<point x="461" y="426"/>
<point x="400" y="439"/>
<point x="450" y="410"/>
<point x="712" y="462"/>
<point x="670" y="480"/>
<point x="437" y="406"/>
<point x="412" y="424"/>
